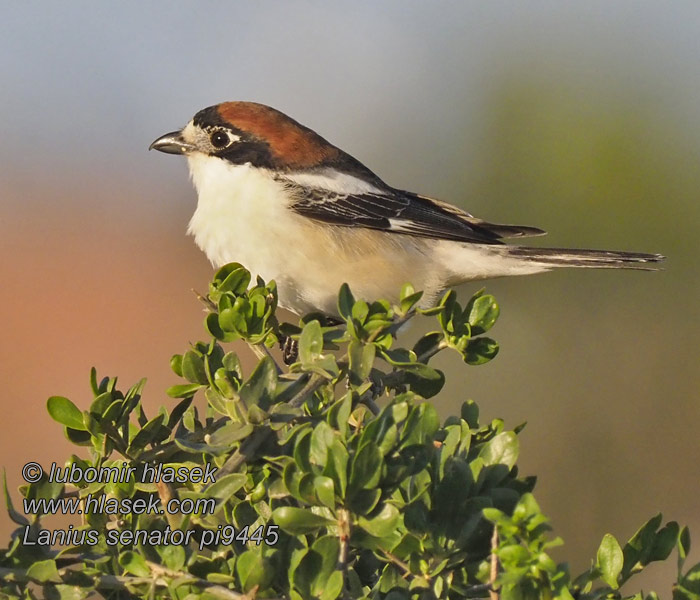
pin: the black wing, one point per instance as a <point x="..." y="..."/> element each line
<point x="402" y="212"/>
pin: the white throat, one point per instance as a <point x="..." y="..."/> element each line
<point x="242" y="216"/>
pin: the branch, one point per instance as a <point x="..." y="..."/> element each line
<point x="245" y="452"/>
<point x="170" y="448"/>
<point x="344" y="536"/>
<point x="314" y="382"/>
<point x="493" y="593"/>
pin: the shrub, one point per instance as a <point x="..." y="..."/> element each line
<point x="331" y="478"/>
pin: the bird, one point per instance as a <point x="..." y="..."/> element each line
<point x="276" y="197"/>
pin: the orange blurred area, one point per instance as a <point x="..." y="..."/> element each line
<point x="82" y="294"/>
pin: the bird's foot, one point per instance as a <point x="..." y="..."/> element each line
<point x="290" y="349"/>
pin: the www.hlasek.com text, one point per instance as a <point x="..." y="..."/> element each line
<point x="110" y="505"/>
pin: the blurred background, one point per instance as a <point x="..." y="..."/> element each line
<point x="580" y="118"/>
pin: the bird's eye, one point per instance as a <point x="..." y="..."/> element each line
<point x="220" y="139"/>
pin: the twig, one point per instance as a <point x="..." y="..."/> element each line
<point x="344" y="524"/>
<point x="428" y="354"/>
<point x="255" y="440"/>
<point x="169" y="448"/>
<point x="367" y="400"/>
<point x="267" y="352"/>
<point x="211" y="307"/>
<point x="166" y="492"/>
<point x="493" y="593"/>
<point x="477" y="589"/>
<point x="398" y="562"/>
<point x="314" y="382"/>
<point x="245" y="452"/>
<point x="396" y="325"/>
<point x="260" y="353"/>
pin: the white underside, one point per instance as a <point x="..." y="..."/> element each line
<point x="242" y="216"/>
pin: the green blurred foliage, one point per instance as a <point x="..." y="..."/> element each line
<point x="599" y="161"/>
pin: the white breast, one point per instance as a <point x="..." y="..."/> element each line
<point x="242" y="216"/>
<point x="236" y="205"/>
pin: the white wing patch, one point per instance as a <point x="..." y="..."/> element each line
<point x="333" y="181"/>
<point x="401" y="225"/>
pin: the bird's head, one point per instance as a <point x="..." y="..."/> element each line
<point x="249" y="133"/>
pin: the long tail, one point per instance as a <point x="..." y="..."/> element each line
<point x="598" y="259"/>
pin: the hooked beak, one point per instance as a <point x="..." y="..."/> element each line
<point x="172" y="143"/>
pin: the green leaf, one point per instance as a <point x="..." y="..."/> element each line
<point x="470" y="413"/>
<point x="77" y="436"/>
<point x="93" y="381"/>
<point x="65" y="412"/>
<point x="256" y="415"/>
<point x="321" y="438"/>
<point x="213" y="325"/>
<point x="259" y="388"/>
<point x="483" y="312"/>
<point x="689" y="584"/>
<point x="383" y="524"/>
<point x="326" y="585"/>
<point x="408" y="297"/>
<point x="480" y="350"/>
<point x="177" y="412"/>
<point x="254" y="571"/>
<point x="226" y="486"/>
<point x="298" y="521"/>
<point x="235" y="282"/>
<point x="638" y="548"/>
<point x="337" y="465"/>
<point x="421" y="425"/>
<point x="176" y="364"/>
<point x="366" y="468"/>
<point x="101" y="403"/>
<point x="434" y="310"/>
<point x="310" y="342"/>
<point x="173" y="556"/>
<point x="325" y="490"/>
<point x="502" y="449"/>
<point x="44" y="571"/>
<point x="361" y="360"/>
<point x="345" y="301"/>
<point x="184" y="390"/>
<point x="664" y="541"/>
<point x="235" y="319"/>
<point x="134" y="563"/>
<point x="14" y="515"/>
<point x="424" y="380"/>
<point x="231" y="269"/>
<point x="610" y="560"/>
<point x="62" y="591"/>
<point x="199" y="448"/>
<point x="683" y="545"/>
<point x="332" y="587"/>
<point x="230" y="434"/>
<point x="496" y="516"/>
<point x="148" y="433"/>
<point x="365" y="501"/>
<point x="360" y="311"/>
<point x="193" y="368"/>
